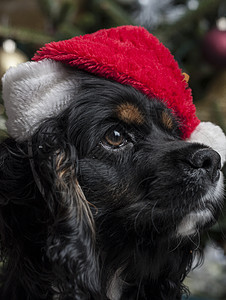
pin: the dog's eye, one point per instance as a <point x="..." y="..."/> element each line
<point x="115" y="138"/>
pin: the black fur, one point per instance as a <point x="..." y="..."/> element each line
<point x="102" y="212"/>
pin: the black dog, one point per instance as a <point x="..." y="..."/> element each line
<point x="105" y="202"/>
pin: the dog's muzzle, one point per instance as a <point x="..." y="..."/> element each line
<point x="208" y="162"/>
<point x="205" y="166"/>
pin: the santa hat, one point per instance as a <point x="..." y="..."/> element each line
<point x="129" y="55"/>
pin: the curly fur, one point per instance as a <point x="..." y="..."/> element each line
<point x="104" y="223"/>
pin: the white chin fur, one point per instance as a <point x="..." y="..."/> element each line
<point x="188" y="225"/>
<point x="210" y="135"/>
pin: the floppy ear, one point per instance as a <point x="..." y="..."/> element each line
<point x="21" y="270"/>
<point x="70" y="247"/>
<point x="47" y="241"/>
<point x="34" y="92"/>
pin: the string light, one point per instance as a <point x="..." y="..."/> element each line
<point x="10" y="56"/>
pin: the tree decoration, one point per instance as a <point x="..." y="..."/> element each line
<point x="214" y="44"/>
<point x="10" y="56"/>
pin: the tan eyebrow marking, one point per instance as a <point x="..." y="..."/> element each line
<point x="129" y="113"/>
<point x="167" y="120"/>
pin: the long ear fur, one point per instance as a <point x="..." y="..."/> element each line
<point x="71" y="231"/>
<point x="20" y="230"/>
<point x="67" y="258"/>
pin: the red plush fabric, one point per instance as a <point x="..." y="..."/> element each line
<point x="130" y="55"/>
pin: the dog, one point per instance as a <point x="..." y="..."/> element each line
<point x="105" y="200"/>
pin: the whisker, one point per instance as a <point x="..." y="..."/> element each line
<point x="177" y="246"/>
<point x="137" y="216"/>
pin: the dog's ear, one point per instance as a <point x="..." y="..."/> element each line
<point x="70" y="247"/>
<point x="46" y="225"/>
<point x="14" y="172"/>
<point x="16" y="216"/>
<point x="5" y="169"/>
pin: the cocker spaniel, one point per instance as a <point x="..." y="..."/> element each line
<point x="105" y="199"/>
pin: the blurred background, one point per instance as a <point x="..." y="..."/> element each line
<point x="194" y="31"/>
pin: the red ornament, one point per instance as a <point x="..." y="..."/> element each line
<point x="214" y="46"/>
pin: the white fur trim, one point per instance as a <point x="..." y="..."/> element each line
<point x="34" y="91"/>
<point x="210" y="135"/>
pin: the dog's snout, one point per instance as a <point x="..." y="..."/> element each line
<point x="207" y="160"/>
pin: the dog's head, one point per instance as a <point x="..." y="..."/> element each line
<point x="104" y="189"/>
<point x="132" y="162"/>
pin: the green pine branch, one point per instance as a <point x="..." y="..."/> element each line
<point x="25" y="35"/>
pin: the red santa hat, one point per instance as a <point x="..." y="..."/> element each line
<point x="129" y="55"/>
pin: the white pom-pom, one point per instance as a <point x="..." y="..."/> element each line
<point x="210" y="135"/>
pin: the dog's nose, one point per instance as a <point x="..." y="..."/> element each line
<point x="208" y="160"/>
